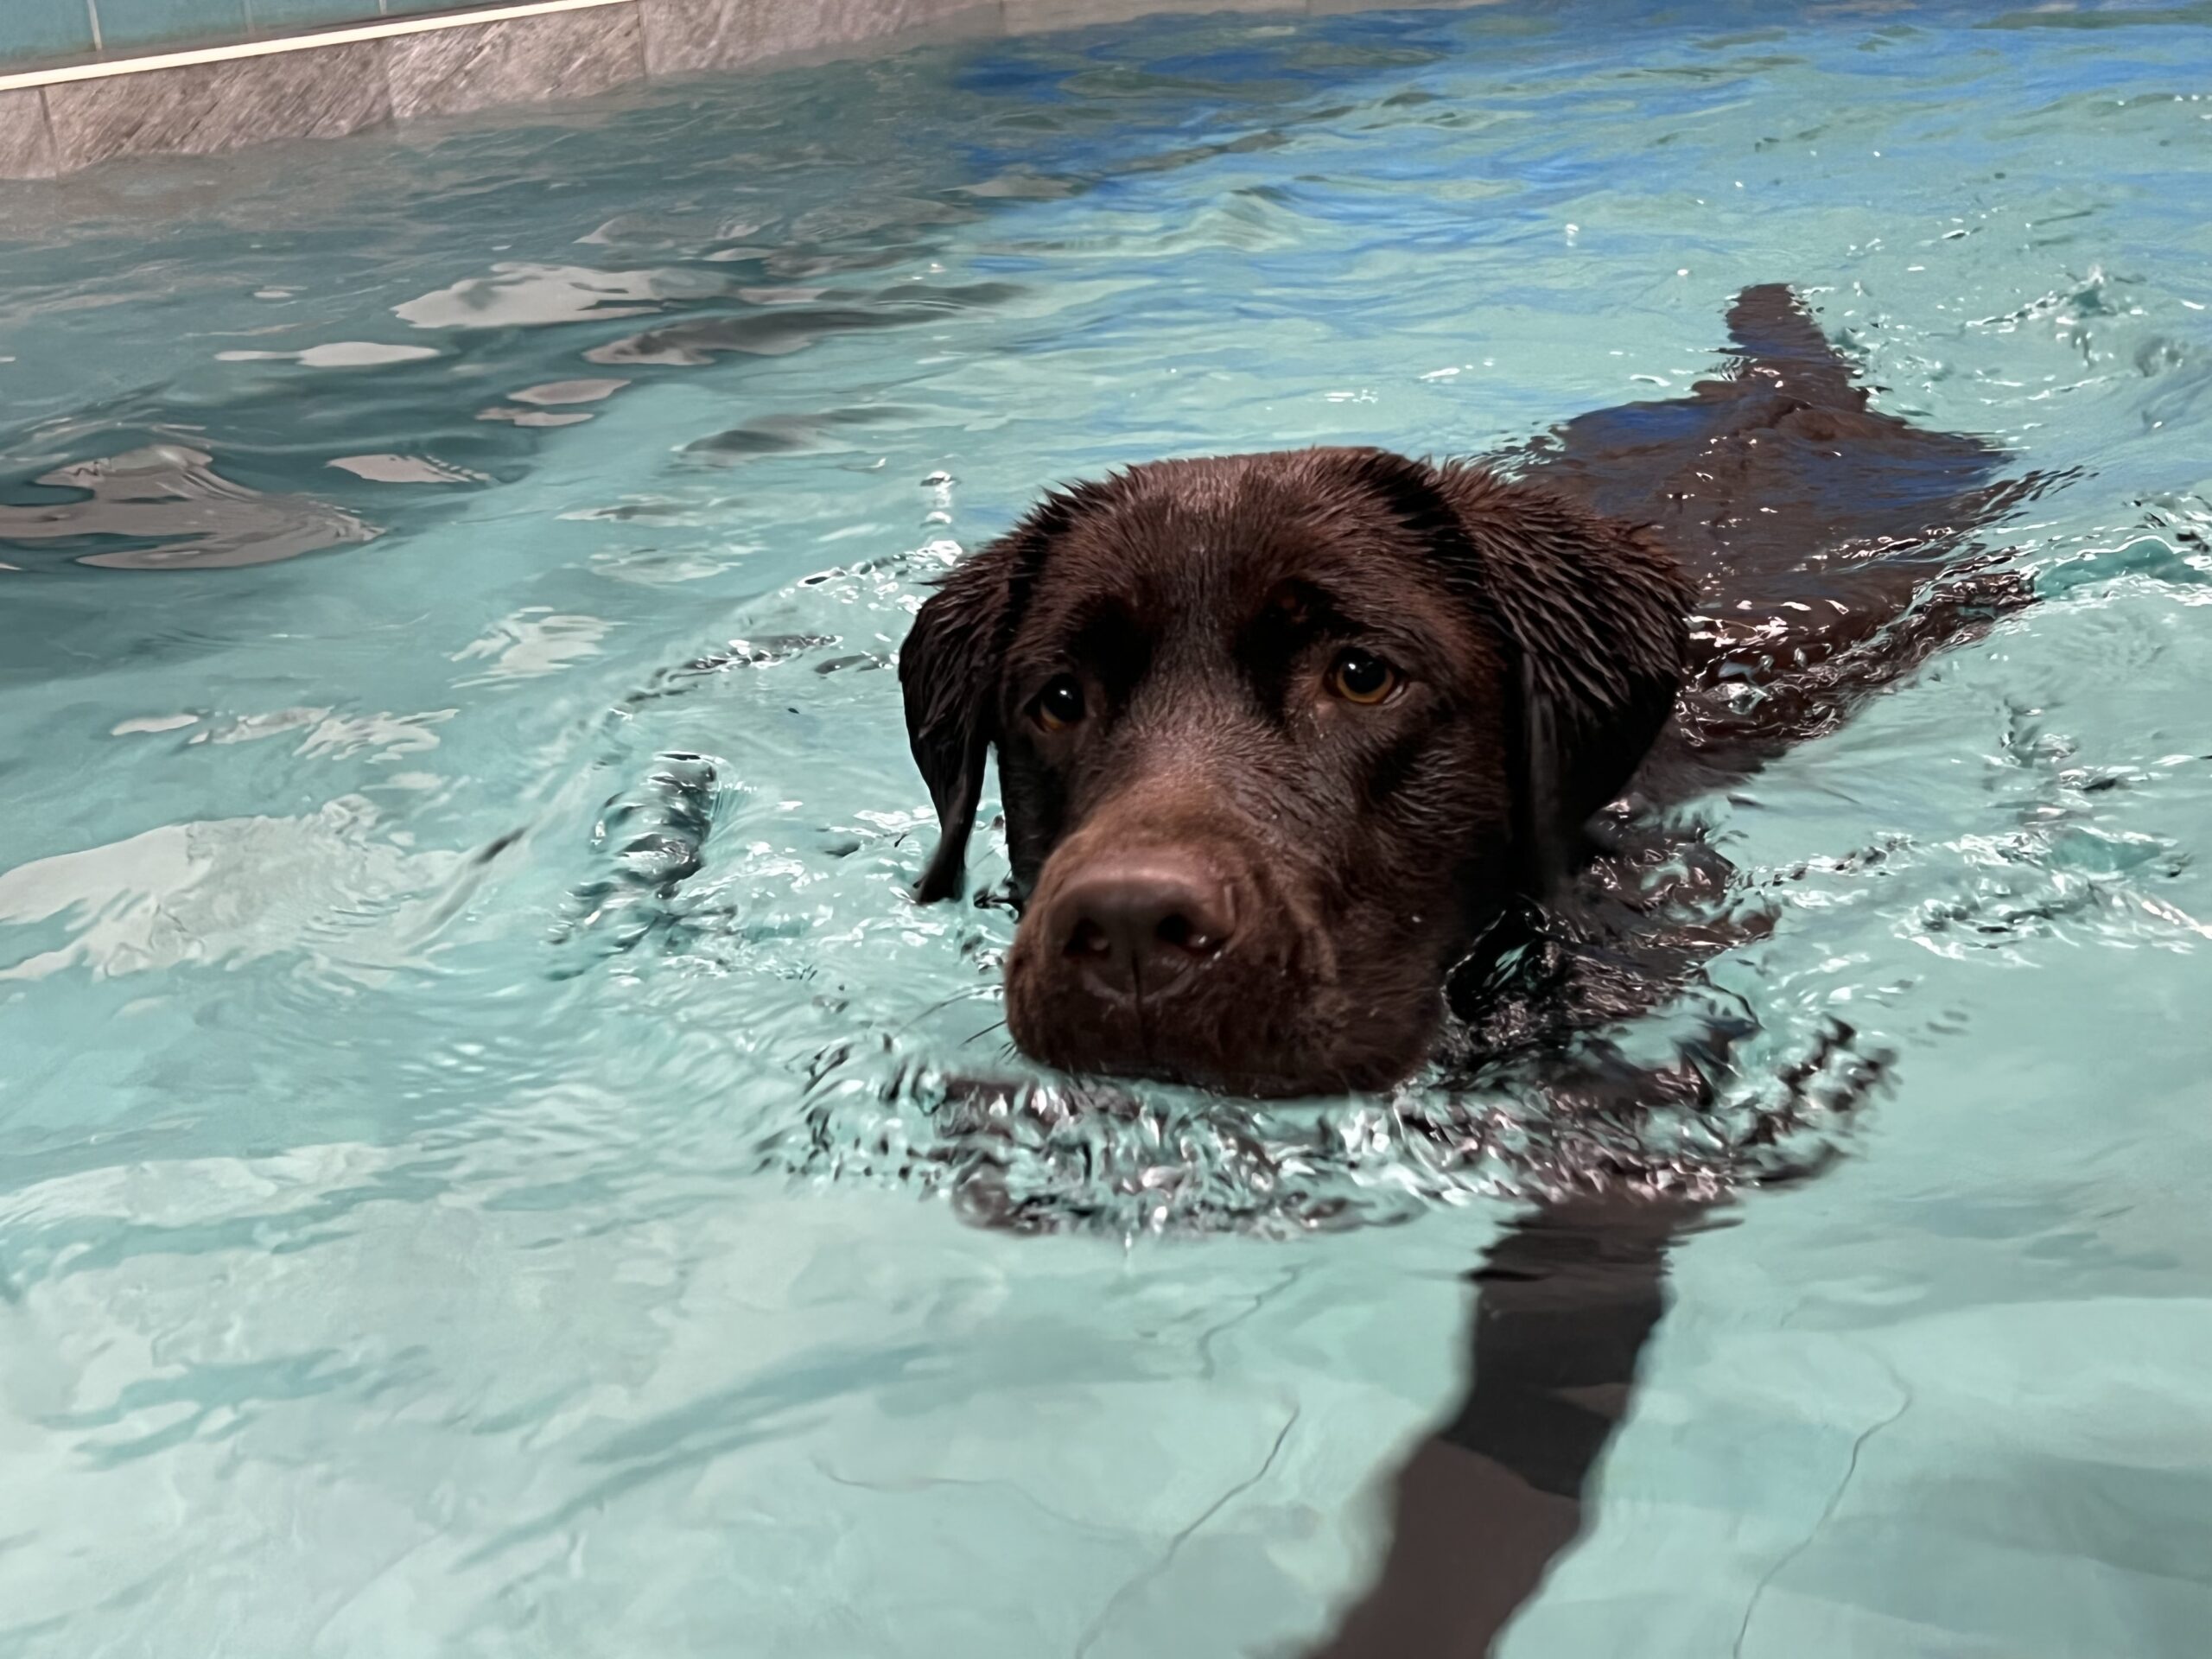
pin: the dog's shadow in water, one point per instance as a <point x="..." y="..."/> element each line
<point x="1566" y="1301"/>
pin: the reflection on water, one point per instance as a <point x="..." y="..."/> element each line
<point x="472" y="1073"/>
<point x="404" y="469"/>
<point x="170" y="499"/>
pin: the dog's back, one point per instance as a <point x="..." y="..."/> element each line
<point x="1831" y="545"/>
<point x="1777" y="469"/>
<point x="1832" y="548"/>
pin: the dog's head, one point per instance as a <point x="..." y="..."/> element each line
<point x="1277" y="736"/>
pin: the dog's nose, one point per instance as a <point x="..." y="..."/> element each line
<point x="1138" y="926"/>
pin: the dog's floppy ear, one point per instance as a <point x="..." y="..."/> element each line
<point x="1594" y="618"/>
<point x="1599" y="612"/>
<point x="949" y="671"/>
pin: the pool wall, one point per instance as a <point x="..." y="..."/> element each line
<point x="35" y="31"/>
<point x="89" y="80"/>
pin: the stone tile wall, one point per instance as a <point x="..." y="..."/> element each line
<point x="326" y="86"/>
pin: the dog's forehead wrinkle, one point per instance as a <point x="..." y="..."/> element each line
<point x="1199" y="578"/>
<point x="1194" y="700"/>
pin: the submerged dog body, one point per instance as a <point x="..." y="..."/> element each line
<point x="1280" y="736"/>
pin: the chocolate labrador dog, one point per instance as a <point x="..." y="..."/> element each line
<point x="1282" y="737"/>
<point x="1290" y="745"/>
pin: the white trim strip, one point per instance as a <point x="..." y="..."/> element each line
<point x="390" y="29"/>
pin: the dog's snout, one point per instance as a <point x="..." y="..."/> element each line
<point x="1138" y="924"/>
<point x="1191" y="960"/>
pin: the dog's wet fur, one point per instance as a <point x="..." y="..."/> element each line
<point x="1285" y="740"/>
<point x="1233" y="873"/>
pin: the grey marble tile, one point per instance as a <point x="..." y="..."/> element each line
<point x="1025" y="16"/>
<point x="787" y="27"/>
<point x="26" y="142"/>
<point x="693" y="37"/>
<point x="197" y="110"/>
<point x="1332" y="8"/>
<point x="565" y="54"/>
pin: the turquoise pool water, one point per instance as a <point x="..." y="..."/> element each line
<point x="475" y="1173"/>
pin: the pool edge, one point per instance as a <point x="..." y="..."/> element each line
<point x="333" y="82"/>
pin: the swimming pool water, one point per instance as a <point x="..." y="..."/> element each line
<point x="476" y="1170"/>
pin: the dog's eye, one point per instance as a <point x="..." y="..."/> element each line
<point x="1060" y="705"/>
<point x="1358" y="676"/>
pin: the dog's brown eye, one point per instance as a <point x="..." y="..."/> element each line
<point x="1060" y="705"/>
<point x="1356" y="677"/>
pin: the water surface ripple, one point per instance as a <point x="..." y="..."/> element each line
<point x="471" y="1082"/>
